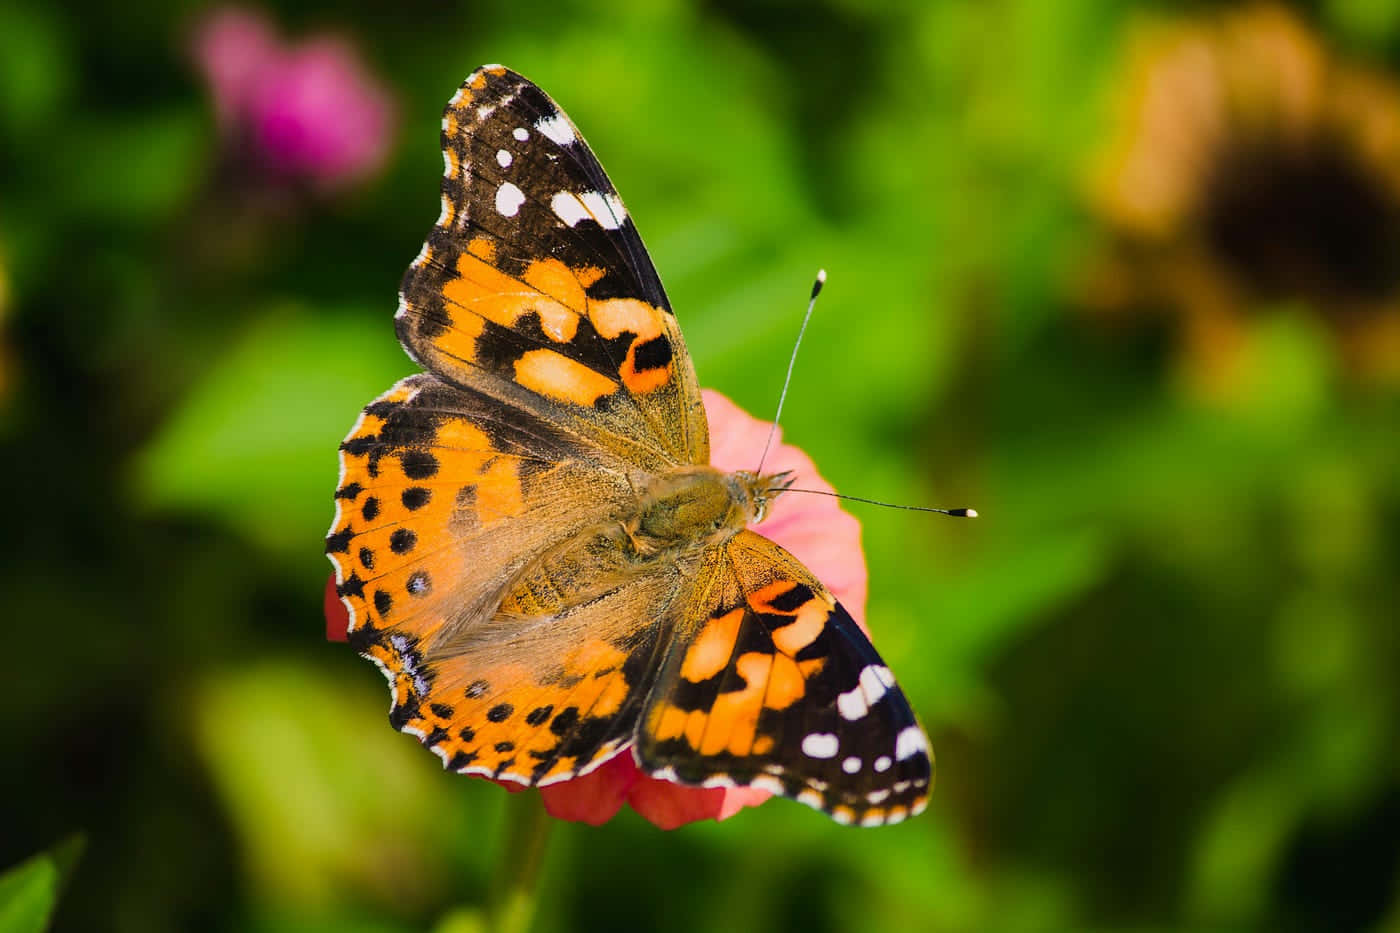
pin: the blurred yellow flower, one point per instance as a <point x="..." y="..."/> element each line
<point x="1249" y="165"/>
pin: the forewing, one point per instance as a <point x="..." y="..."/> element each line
<point x="534" y="286"/>
<point x="771" y="684"/>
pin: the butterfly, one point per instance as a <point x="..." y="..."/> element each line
<point x="529" y="538"/>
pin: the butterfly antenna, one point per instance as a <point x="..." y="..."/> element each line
<point x="959" y="513"/>
<point x="782" y="396"/>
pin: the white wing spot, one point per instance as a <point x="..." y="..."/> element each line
<point x="719" y="780"/>
<point x="508" y="200"/>
<point x="820" y="745"/>
<point x="604" y="209"/>
<point x="503" y="158"/>
<point x="874" y="681"/>
<point x="556" y="127"/>
<point x="485" y="111"/>
<point x="852" y="704"/>
<point x="909" y="743"/>
<point x="568" y="208"/>
<point x="883" y="763"/>
<point x="607" y="209"/>
<point x="765" y="782"/>
<point x="851" y="765"/>
<point x="878" y="796"/>
<point x="521" y="133"/>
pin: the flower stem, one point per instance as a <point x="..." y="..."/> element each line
<point x="511" y="905"/>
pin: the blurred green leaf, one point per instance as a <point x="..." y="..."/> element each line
<point x="27" y="895"/>
<point x="36" y="67"/>
<point x="29" y="891"/>
<point x="327" y="801"/>
<point x="1371" y="23"/>
<point x="133" y="169"/>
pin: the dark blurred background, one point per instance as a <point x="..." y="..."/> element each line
<point x="1125" y="276"/>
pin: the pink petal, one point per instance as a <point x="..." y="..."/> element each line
<point x="596" y="797"/>
<point x="668" y="806"/>
<point x="232" y="46"/>
<point x="337" y="616"/>
<point x="318" y="113"/>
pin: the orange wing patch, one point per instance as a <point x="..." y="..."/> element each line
<point x="557" y="377"/>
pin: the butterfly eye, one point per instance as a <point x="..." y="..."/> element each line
<point x="760" y="508"/>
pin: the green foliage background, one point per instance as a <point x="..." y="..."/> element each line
<point x="1160" y="673"/>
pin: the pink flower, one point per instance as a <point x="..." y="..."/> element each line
<point x="814" y="528"/>
<point x="310" y="111"/>
<point x="234" y="47"/>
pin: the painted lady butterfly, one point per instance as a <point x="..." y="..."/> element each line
<point x="531" y="542"/>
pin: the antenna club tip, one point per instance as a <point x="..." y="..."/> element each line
<point x="970" y="513"/>
<point x="821" y="275"/>
<point x="817" y="285"/>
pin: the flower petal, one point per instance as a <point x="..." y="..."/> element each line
<point x="337" y="616"/>
<point x="596" y="797"/>
<point x="317" y="112"/>
<point x="669" y="806"/>
<point x="232" y="46"/>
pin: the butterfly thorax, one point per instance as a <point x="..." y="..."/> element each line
<point x="695" y="507"/>
<point x="675" y="515"/>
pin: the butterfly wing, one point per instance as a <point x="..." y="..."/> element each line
<point x="772" y="684"/>
<point x="446" y="500"/>
<point x="534" y="286"/>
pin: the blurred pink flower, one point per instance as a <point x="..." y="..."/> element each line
<point x="309" y="111"/>
<point x="814" y="528"/>
<point x="234" y="47"/>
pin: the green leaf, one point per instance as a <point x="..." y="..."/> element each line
<point x="29" y="891"/>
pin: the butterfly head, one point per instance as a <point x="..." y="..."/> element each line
<point x="756" y="491"/>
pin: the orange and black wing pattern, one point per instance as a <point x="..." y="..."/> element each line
<point x="534" y="286"/>
<point x="771" y="684"/>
